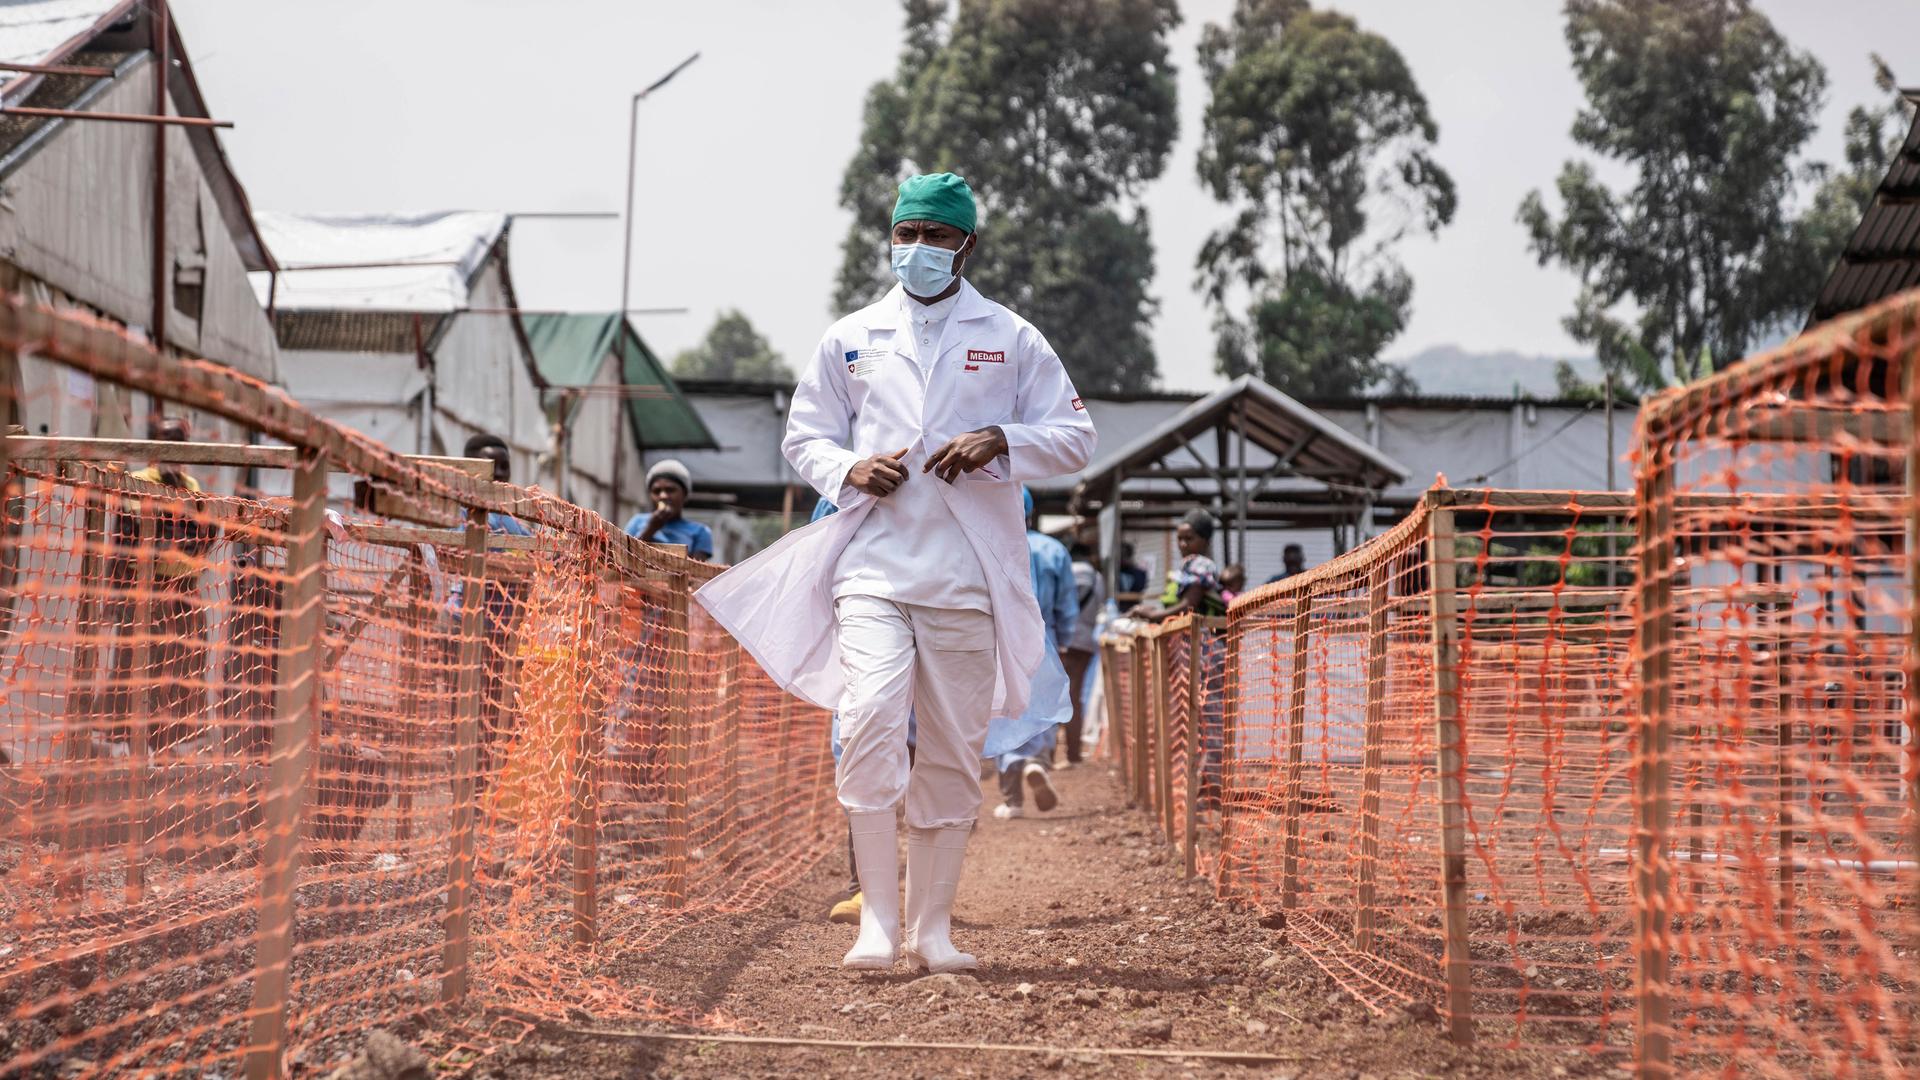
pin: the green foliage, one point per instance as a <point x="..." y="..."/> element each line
<point x="1318" y="137"/>
<point x="1057" y="112"/>
<point x="1873" y="139"/>
<point x="1701" y="254"/>
<point x="733" y="349"/>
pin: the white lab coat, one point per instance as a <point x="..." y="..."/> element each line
<point x="861" y="395"/>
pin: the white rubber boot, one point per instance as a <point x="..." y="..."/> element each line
<point x="876" y="860"/>
<point x="934" y="858"/>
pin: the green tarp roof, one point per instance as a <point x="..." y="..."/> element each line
<point x="569" y="350"/>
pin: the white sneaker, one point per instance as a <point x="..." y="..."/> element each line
<point x="1003" y="812"/>
<point x="1035" y="775"/>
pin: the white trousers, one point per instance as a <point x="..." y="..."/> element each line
<point x="937" y="663"/>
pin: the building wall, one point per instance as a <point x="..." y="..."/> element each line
<point x="77" y="215"/>
<point x="483" y="382"/>
<point x="592" y="442"/>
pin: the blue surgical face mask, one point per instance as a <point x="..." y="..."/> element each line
<point x="923" y="268"/>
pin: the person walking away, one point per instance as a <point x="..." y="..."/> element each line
<point x="1090" y="591"/>
<point x="668" y="485"/>
<point x="918" y="416"/>
<point x="1053" y="588"/>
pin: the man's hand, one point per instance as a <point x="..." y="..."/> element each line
<point x="966" y="453"/>
<point x="879" y="474"/>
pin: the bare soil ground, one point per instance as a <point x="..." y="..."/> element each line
<point x="1088" y="937"/>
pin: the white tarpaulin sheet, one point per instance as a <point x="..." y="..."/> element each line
<point x="444" y="248"/>
<point x="30" y="30"/>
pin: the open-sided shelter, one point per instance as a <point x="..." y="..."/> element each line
<point x="1250" y="454"/>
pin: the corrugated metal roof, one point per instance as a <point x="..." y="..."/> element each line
<point x="1314" y="447"/>
<point x="1883" y="255"/>
<point x="376" y="262"/>
<point x="355" y="331"/>
<point x="571" y="349"/>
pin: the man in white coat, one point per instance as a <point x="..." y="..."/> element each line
<point x="919" y="416"/>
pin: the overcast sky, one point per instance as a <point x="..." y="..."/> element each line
<point x="521" y="105"/>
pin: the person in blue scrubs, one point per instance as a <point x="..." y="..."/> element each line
<point x="668" y="485"/>
<point x="1026" y="765"/>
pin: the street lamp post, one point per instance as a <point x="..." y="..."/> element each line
<point x="626" y="277"/>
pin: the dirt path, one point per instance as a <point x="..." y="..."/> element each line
<point x="1088" y="938"/>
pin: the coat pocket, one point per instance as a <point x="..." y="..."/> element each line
<point x="983" y="389"/>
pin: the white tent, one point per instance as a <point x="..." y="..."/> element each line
<point x="402" y="326"/>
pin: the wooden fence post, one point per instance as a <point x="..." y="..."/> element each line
<point x="289" y="767"/>
<point x="1136" y="731"/>
<point x="1783" y="765"/>
<point x="412" y="677"/>
<point x="1196" y="742"/>
<point x="83" y="694"/>
<point x="140" y="701"/>
<point x="596" y="713"/>
<point x="730" y="714"/>
<point x="1911" y="669"/>
<point x="1162" y="752"/>
<point x="679" y="739"/>
<point x="1229" y="751"/>
<point x="1113" y="729"/>
<point x="1450" y="744"/>
<point x="1653" y="798"/>
<point x="1296" y="750"/>
<point x="1375" y="735"/>
<point x="455" y="975"/>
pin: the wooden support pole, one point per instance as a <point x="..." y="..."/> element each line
<point x="1196" y="741"/>
<point x="140" y="701"/>
<point x="595" y="714"/>
<point x="1162" y="746"/>
<point x="289" y="765"/>
<point x="1911" y="666"/>
<point x="1112" y="730"/>
<point x="1370" y="767"/>
<point x="1652" y="796"/>
<point x="679" y="720"/>
<point x="1778" y="614"/>
<point x="413" y="678"/>
<point x="1143" y="694"/>
<point x="456" y="953"/>
<point x="1296" y="751"/>
<point x="83" y="693"/>
<point x="731" y="716"/>
<point x="1450" y="745"/>
<point x="1229" y="751"/>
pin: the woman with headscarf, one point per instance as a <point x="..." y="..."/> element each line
<point x="1193" y="585"/>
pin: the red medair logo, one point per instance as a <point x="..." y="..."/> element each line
<point x="981" y="356"/>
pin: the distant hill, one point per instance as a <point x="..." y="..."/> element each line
<point x="1451" y="371"/>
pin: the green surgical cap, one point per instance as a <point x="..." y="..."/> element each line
<point x="941" y="197"/>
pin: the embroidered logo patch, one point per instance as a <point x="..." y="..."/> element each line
<point x="1079" y="406"/>
<point x="982" y="356"/>
<point x="863" y="362"/>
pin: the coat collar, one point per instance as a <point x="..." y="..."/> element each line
<point x="885" y="314"/>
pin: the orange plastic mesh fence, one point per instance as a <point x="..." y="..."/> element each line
<point x="1780" y="789"/>
<point x="1343" y="775"/>
<point x="1175" y="727"/>
<point x="1635" y="777"/>
<point x="275" y="774"/>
